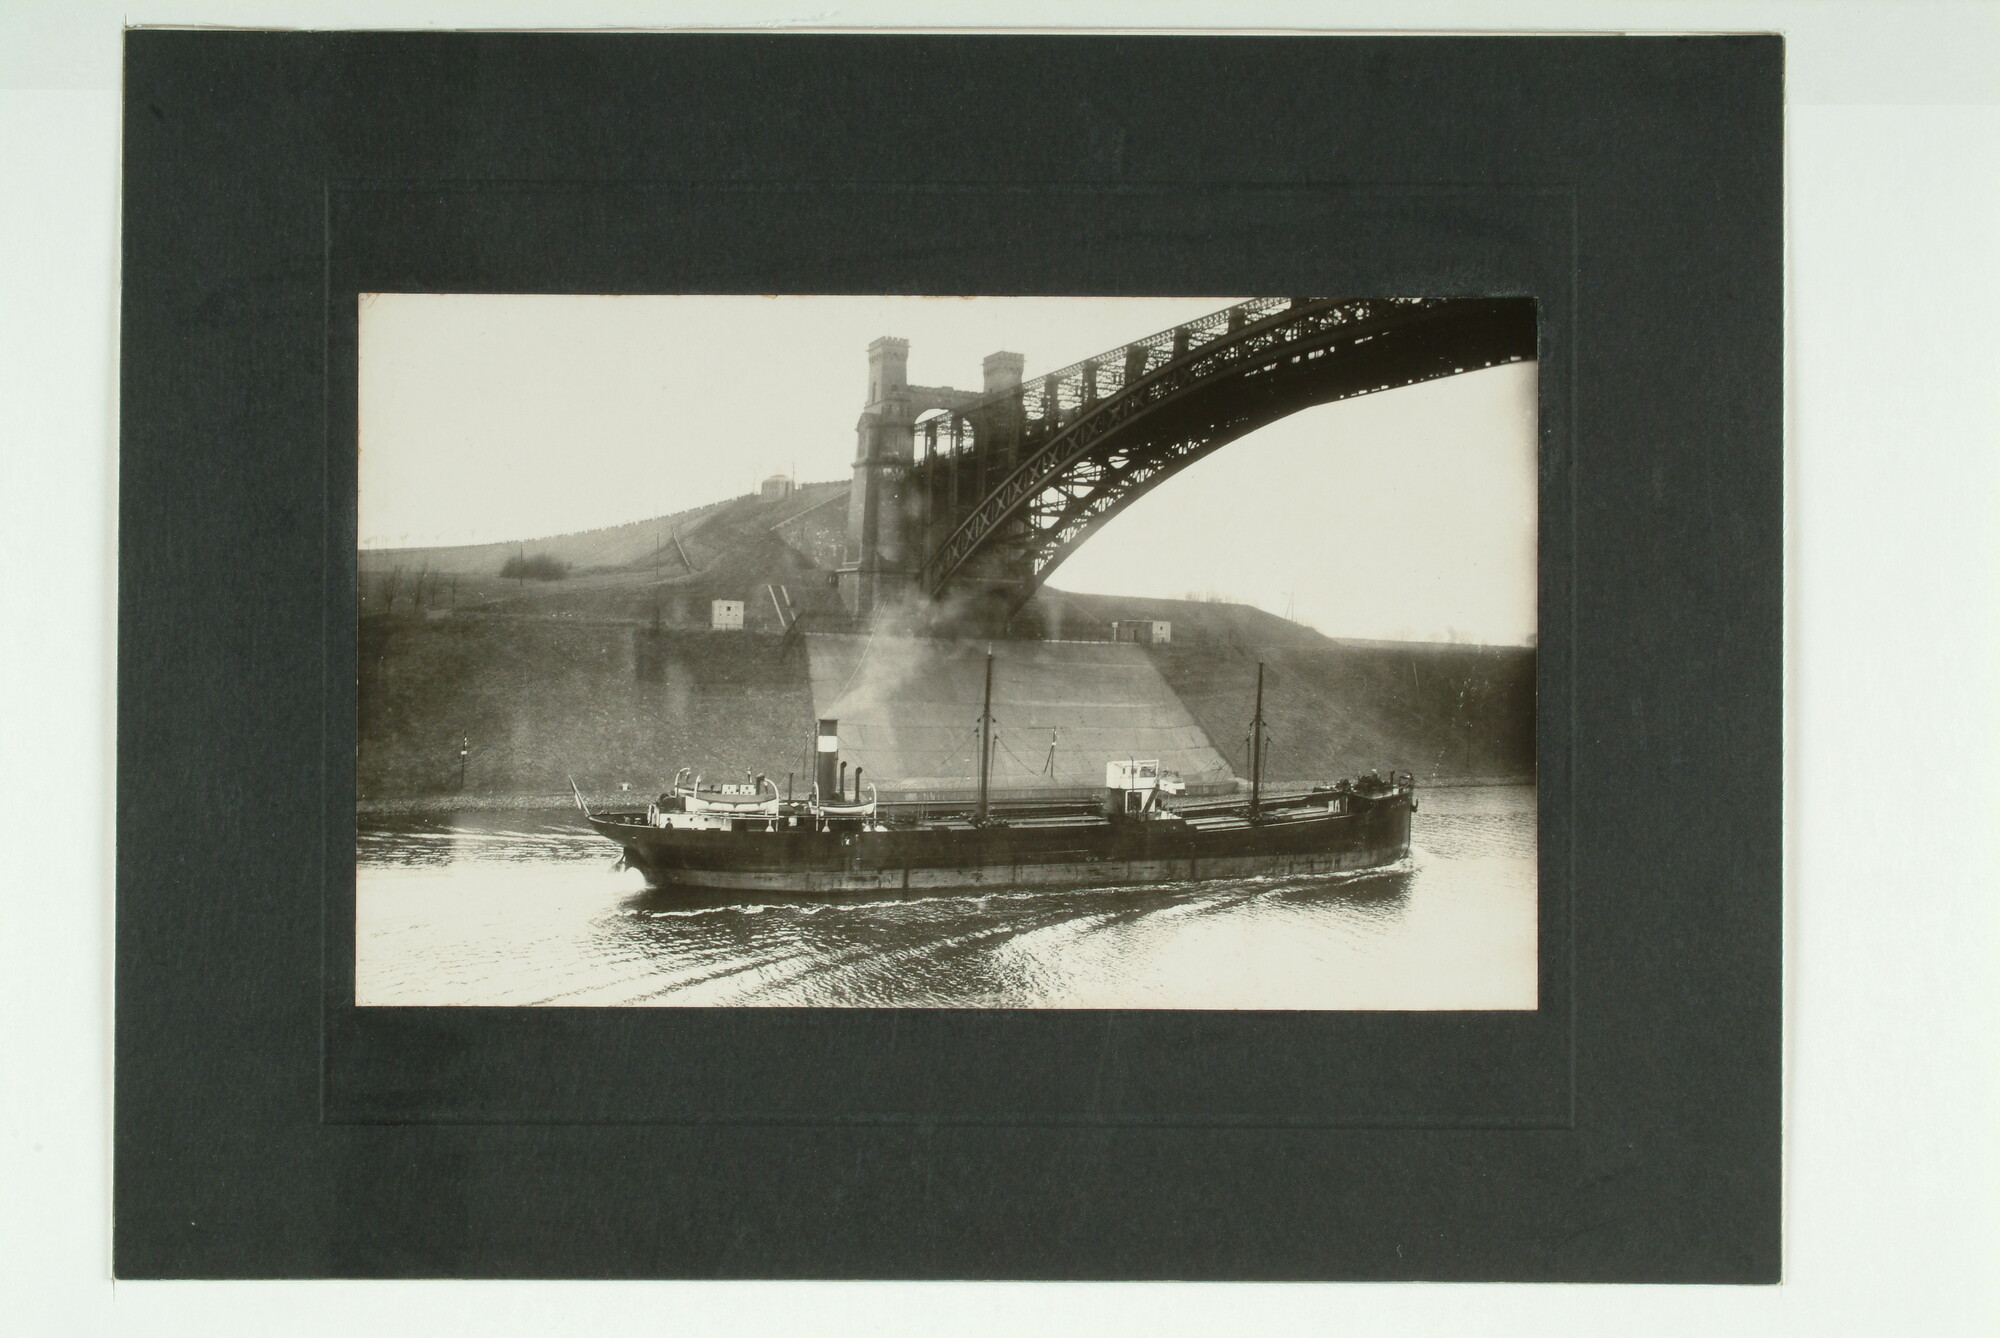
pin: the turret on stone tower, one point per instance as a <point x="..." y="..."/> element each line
<point x="1003" y="371"/>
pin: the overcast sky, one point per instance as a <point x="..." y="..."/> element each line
<point x="1407" y="514"/>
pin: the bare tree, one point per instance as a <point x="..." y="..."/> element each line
<point x="391" y="585"/>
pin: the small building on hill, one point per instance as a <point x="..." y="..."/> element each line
<point x="726" y="615"/>
<point x="1145" y="631"/>
<point x="775" y="488"/>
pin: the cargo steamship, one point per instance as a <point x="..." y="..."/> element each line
<point x="750" y="838"/>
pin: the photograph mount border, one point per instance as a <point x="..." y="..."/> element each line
<point x="1669" y="1169"/>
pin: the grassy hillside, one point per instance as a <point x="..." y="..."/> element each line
<point x="703" y="531"/>
<point x="666" y="569"/>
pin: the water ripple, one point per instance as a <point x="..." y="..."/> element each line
<point x="518" y="909"/>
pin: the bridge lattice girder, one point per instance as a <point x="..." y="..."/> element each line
<point x="1008" y="487"/>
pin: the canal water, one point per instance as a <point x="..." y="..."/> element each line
<point x="515" y="909"/>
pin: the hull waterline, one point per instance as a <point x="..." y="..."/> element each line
<point x="1372" y="834"/>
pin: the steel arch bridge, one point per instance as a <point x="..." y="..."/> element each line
<point x="1001" y="491"/>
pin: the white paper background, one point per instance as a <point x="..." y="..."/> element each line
<point x="1894" y="685"/>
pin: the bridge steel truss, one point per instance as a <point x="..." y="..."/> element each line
<point x="1006" y="488"/>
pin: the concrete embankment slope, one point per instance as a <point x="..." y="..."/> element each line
<point x="1442" y="711"/>
<point x="1340" y="708"/>
<point x="619" y="703"/>
<point x="909" y="712"/>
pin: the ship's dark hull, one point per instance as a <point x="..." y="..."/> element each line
<point x="1372" y="834"/>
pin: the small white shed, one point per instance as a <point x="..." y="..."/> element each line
<point x="1146" y="631"/>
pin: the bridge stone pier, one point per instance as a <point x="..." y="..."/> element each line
<point x="881" y="562"/>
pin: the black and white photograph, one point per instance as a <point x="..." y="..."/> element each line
<point x="780" y="655"/>
<point x="953" y="652"/>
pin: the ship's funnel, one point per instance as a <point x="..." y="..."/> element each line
<point x="827" y="761"/>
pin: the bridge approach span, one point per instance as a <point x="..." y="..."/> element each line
<point x="1001" y="490"/>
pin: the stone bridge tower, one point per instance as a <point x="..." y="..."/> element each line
<point x="876" y="570"/>
<point x="879" y="567"/>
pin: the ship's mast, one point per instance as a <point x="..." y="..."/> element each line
<point x="1257" y="745"/>
<point x="986" y="739"/>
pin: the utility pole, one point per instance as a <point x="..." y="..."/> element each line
<point x="1257" y="746"/>
<point x="986" y="741"/>
<point x="659" y="541"/>
<point x="464" y="748"/>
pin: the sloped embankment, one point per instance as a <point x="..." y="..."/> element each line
<point x="616" y="701"/>
<point x="590" y="681"/>
<point x="1340" y="708"/>
<point x="612" y="701"/>
<point x="909" y="710"/>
